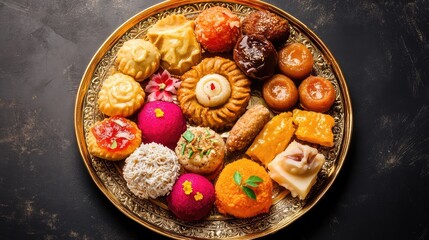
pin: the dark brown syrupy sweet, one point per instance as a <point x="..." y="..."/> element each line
<point x="256" y="56"/>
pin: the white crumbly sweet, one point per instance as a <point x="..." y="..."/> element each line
<point x="151" y="170"/>
<point x="296" y="168"/>
<point x="213" y="90"/>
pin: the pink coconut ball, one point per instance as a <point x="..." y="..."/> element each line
<point x="161" y="122"/>
<point x="192" y="197"/>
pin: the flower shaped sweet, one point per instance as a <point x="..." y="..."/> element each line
<point x="162" y="87"/>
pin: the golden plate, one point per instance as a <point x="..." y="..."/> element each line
<point x="154" y="214"/>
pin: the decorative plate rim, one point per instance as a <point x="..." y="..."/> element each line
<point x="130" y="23"/>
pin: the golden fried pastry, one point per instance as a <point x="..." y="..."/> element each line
<point x="138" y="58"/>
<point x="202" y="151"/>
<point x="120" y="95"/>
<point x="247" y="127"/>
<point x="114" y="138"/>
<point x="316" y="94"/>
<point x="314" y="127"/>
<point x="273" y="138"/>
<point x="224" y="113"/>
<point x="174" y="37"/>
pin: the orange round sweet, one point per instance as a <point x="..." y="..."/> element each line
<point x="232" y="198"/>
<point x="217" y="29"/>
<point x="295" y="61"/>
<point x="316" y="94"/>
<point x="280" y="93"/>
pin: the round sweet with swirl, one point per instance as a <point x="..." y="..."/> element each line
<point x="120" y="95"/>
<point x="213" y="90"/>
<point x="138" y="58"/>
<point x="224" y="115"/>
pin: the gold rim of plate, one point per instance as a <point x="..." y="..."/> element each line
<point x="154" y="214"/>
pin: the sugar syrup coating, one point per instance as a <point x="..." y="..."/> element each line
<point x="256" y="56"/>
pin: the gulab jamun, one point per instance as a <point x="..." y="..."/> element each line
<point x="268" y="24"/>
<point x="295" y="61"/>
<point x="316" y="94"/>
<point x="280" y="93"/>
<point x="255" y="56"/>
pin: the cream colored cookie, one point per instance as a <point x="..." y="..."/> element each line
<point x="120" y="95"/>
<point x="174" y="37"/>
<point x="138" y="58"/>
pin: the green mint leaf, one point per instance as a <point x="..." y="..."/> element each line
<point x="254" y="179"/>
<point x="188" y="136"/>
<point x="249" y="192"/>
<point x="252" y="184"/>
<point x="237" y="178"/>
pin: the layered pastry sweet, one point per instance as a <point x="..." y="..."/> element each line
<point x="314" y="127"/>
<point x="295" y="61"/>
<point x="316" y="94"/>
<point x="256" y="56"/>
<point x="120" y="95"/>
<point x="201" y="150"/>
<point x="174" y="37"/>
<point x="113" y="138"/>
<point x="272" y="139"/>
<point x="280" y="93"/>
<point x="138" y="58"/>
<point x="247" y="127"/>
<point x="161" y="122"/>
<point x="206" y="104"/>
<point x="192" y="197"/>
<point x="151" y="171"/>
<point x="296" y="168"/>
<point x="217" y="29"/>
<point x="268" y="24"/>
<point x="244" y="189"/>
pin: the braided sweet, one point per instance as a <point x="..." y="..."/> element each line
<point x="218" y="117"/>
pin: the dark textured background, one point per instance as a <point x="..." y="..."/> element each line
<point x="382" y="191"/>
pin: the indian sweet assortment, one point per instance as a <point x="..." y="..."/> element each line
<point x="178" y="112"/>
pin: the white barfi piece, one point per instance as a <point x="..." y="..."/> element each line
<point x="296" y="168"/>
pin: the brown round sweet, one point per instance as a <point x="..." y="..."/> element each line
<point x="295" y="61"/>
<point x="316" y="94"/>
<point x="217" y="29"/>
<point x="268" y="24"/>
<point x="255" y="56"/>
<point x="280" y="93"/>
